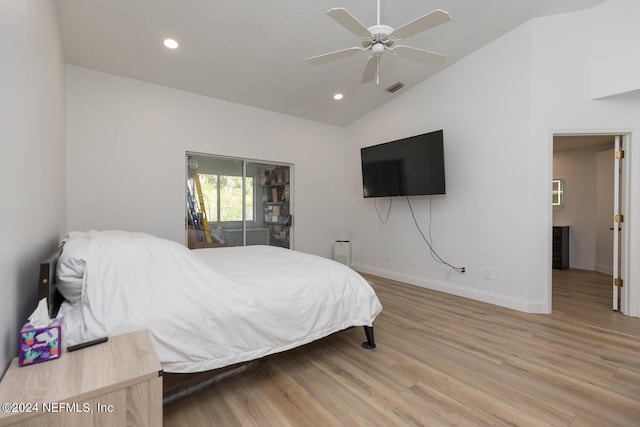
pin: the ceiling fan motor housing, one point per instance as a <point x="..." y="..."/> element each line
<point x="380" y="36"/>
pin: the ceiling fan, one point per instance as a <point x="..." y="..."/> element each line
<point x="380" y="38"/>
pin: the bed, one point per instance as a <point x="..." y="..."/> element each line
<point x="205" y="309"/>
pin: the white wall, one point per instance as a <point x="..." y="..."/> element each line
<point x="565" y="47"/>
<point x="578" y="170"/>
<point x="582" y="206"/>
<point x="499" y="109"/>
<point x="32" y="158"/>
<point x="614" y="68"/>
<point x="126" y="156"/>
<point x="482" y="103"/>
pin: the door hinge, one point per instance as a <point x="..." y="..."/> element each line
<point x="620" y="154"/>
<point x="618" y="218"/>
<point x="618" y="282"/>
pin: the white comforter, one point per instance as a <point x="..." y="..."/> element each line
<point x="210" y="308"/>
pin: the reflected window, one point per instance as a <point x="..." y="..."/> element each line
<point x="557" y="193"/>
<point x="222" y="196"/>
<point x="237" y="202"/>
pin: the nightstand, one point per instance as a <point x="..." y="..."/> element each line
<point x="117" y="383"/>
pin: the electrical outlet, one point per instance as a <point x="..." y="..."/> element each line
<point x="412" y="260"/>
<point x="386" y="256"/>
<point x="487" y="273"/>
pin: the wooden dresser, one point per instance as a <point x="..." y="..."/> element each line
<point x="117" y="383"/>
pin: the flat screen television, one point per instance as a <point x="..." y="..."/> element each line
<point x="412" y="166"/>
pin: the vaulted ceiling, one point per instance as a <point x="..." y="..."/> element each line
<point x="253" y="52"/>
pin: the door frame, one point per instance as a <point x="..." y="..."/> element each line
<point x="628" y="292"/>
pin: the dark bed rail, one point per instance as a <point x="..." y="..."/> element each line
<point x="47" y="282"/>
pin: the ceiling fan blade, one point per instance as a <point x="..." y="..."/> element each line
<point x="423" y="23"/>
<point x="425" y="56"/>
<point x="347" y="20"/>
<point x="332" y="56"/>
<point x="370" y="69"/>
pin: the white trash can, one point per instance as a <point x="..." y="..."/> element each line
<point x="342" y="252"/>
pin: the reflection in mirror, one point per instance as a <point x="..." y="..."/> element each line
<point x="237" y="202"/>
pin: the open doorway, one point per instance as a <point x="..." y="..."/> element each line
<point x="584" y="172"/>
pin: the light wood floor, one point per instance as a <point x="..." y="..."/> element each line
<point x="443" y="360"/>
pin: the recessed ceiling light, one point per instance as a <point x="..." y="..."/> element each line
<point x="171" y="43"/>
<point x="337" y="96"/>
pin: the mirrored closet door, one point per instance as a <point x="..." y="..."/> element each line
<point x="237" y="202"/>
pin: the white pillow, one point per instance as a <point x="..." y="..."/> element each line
<point x="70" y="269"/>
<point x="73" y="235"/>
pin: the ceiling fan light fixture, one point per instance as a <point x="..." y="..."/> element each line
<point x="377" y="48"/>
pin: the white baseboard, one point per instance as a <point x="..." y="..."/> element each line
<point x="588" y="267"/>
<point x="539" y="307"/>
<point x="604" y="269"/>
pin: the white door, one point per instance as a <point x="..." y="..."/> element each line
<point x="618" y="222"/>
<point x="604" y="210"/>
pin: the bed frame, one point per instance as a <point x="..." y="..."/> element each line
<point x="175" y="385"/>
<point x="47" y="282"/>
